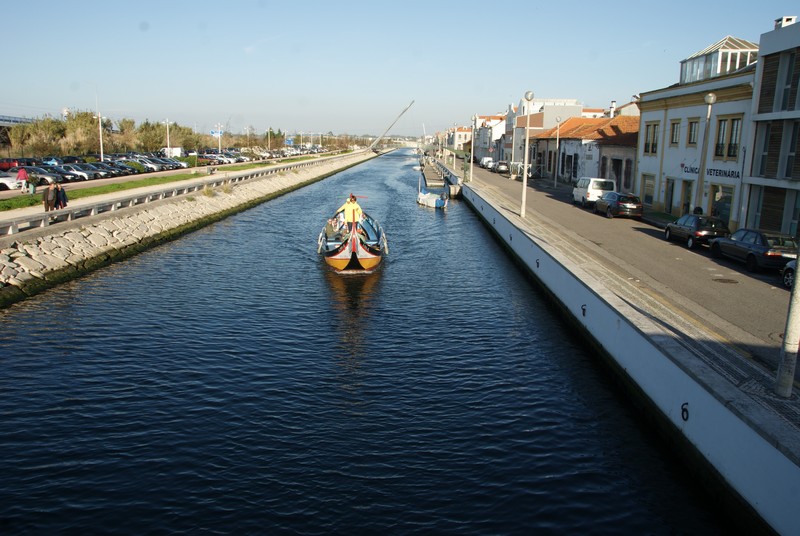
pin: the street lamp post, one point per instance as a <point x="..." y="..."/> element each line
<point x="710" y="99"/>
<point x="99" y="126"/>
<point x="169" y="147"/>
<point x="472" y="147"/>
<point x="528" y="99"/>
<point x="455" y="126"/>
<point x="555" y="170"/>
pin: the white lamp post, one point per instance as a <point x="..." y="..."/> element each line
<point x="169" y="147"/>
<point x="529" y="99"/>
<point x="555" y="170"/>
<point x="99" y="126"/>
<point x="472" y="146"/>
<point x="710" y="99"/>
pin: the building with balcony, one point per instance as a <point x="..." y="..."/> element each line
<point x="772" y="180"/>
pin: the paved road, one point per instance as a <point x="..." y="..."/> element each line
<point x="742" y="312"/>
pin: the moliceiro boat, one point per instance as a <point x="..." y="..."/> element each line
<point x="352" y="244"/>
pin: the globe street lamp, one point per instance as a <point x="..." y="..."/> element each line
<point x="528" y="98"/>
<point x="710" y="99"/>
<point x="558" y="132"/>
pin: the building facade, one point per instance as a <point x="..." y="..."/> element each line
<point x="772" y="181"/>
<point x="689" y="155"/>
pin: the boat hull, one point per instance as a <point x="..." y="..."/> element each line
<point x="432" y="200"/>
<point x="361" y="249"/>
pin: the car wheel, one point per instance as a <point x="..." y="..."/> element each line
<point x="751" y="263"/>
<point x="3" y="187"/>
<point x="715" y="251"/>
<point x="690" y="243"/>
<point x="667" y="235"/>
<point x="788" y="278"/>
<point x="583" y="202"/>
<point x="609" y="215"/>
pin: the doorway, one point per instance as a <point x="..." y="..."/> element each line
<point x="686" y="196"/>
<point x="668" y="196"/>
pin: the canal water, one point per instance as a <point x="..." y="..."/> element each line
<point x="228" y="382"/>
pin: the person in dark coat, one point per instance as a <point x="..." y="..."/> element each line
<point x="61" y="197"/>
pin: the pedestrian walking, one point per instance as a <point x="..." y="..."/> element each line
<point x="61" y="197"/>
<point x="49" y="197"/>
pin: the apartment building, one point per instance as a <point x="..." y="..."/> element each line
<point x="772" y="182"/>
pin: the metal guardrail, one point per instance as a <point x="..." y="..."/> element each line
<point x="44" y="219"/>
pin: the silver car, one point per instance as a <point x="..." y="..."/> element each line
<point x="8" y="181"/>
<point x="42" y="176"/>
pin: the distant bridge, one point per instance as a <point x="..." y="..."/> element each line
<point x="10" y="121"/>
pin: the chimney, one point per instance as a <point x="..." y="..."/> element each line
<point x="785" y="21"/>
<point x="613" y="109"/>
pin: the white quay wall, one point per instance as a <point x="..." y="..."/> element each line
<point x="740" y="439"/>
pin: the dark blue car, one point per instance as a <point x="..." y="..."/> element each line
<point x="756" y="249"/>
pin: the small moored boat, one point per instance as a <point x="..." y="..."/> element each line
<point x="430" y="199"/>
<point x="354" y="246"/>
<point x="433" y="200"/>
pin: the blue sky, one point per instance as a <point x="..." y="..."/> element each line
<point x="350" y="66"/>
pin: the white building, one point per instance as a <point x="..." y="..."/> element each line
<point x="689" y="155"/>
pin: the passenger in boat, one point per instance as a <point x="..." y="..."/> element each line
<point x="330" y="229"/>
<point x="352" y="210"/>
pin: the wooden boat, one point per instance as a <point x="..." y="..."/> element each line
<point x="353" y="247"/>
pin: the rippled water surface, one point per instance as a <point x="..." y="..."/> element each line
<point x="229" y="383"/>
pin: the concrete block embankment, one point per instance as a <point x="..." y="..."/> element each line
<point x="35" y="261"/>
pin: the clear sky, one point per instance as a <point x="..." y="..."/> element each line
<point x="350" y="66"/>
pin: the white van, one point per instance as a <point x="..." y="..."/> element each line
<point x="485" y="161"/>
<point x="590" y="189"/>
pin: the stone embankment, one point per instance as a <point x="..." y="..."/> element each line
<point x="35" y="261"/>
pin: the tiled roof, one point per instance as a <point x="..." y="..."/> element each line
<point x="620" y="130"/>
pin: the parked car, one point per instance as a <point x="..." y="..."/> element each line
<point x="787" y="274"/>
<point x="485" y="161"/>
<point x="43" y="177"/>
<point x="111" y="170"/>
<point x="616" y="204"/>
<point x="8" y="163"/>
<point x="757" y="249"/>
<point x="8" y="181"/>
<point x="696" y="229"/>
<point x="502" y="167"/>
<point x="66" y="175"/>
<point x="82" y="174"/>
<point x="93" y="172"/>
<point x="589" y="189"/>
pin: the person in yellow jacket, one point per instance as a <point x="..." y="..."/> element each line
<point x="352" y="210"/>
